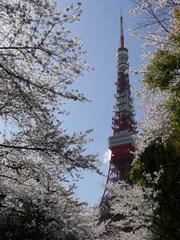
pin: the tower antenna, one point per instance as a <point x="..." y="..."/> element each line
<point x="122" y="31"/>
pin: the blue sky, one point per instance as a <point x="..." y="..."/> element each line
<point x="99" y="29"/>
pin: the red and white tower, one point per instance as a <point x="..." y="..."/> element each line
<point x="123" y="124"/>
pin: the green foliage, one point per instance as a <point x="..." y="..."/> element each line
<point x="163" y="70"/>
<point x="176" y="35"/>
<point x="163" y="73"/>
<point x="167" y="215"/>
<point x="155" y="157"/>
<point x="135" y="176"/>
<point x="174" y="105"/>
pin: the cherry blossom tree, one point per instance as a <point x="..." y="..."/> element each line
<point x="39" y="62"/>
<point x="130" y="214"/>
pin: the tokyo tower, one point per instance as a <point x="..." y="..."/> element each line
<point x="121" y="143"/>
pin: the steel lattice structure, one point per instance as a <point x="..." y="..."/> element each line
<point x="121" y="143"/>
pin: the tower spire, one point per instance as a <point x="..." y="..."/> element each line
<point x="122" y="31"/>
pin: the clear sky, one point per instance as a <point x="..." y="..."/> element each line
<point x="99" y="29"/>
